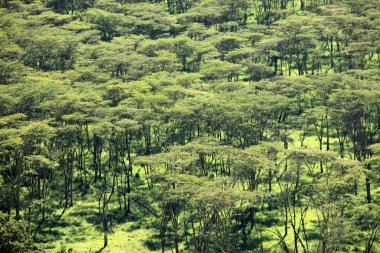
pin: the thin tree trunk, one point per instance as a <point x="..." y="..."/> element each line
<point x="105" y="219"/>
<point x="368" y="190"/>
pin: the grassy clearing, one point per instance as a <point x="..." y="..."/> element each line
<point x="79" y="230"/>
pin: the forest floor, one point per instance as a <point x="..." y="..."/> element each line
<point x="79" y="230"/>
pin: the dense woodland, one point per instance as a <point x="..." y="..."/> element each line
<point x="190" y="126"/>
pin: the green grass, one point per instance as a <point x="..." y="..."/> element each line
<point x="80" y="229"/>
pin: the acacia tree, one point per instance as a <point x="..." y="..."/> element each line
<point x="332" y="196"/>
<point x="367" y="219"/>
<point x="148" y="19"/>
<point x="12" y="167"/>
<point x="70" y="6"/>
<point x="359" y="116"/>
<point x="39" y="172"/>
<point x="46" y="53"/>
<point x="217" y="69"/>
<point x="208" y="212"/>
<point x="318" y="120"/>
<point x="108" y="24"/>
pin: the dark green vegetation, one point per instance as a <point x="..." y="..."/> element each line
<point x="190" y="125"/>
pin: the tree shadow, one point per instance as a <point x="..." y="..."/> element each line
<point x="47" y="236"/>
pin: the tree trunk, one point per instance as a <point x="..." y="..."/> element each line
<point x="368" y="190"/>
<point x="327" y="134"/>
<point x="17" y="202"/>
<point x="105" y="219"/>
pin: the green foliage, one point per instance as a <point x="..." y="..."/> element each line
<point x="216" y="69"/>
<point x="148" y="19"/>
<point x="70" y="6"/>
<point x="108" y="24"/>
<point x="49" y="54"/>
<point x="14" y="235"/>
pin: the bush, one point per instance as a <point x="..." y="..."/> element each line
<point x="14" y="236"/>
